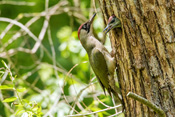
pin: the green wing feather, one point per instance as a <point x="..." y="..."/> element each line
<point x="100" y="69"/>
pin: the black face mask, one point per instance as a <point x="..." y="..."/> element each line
<point x="86" y="27"/>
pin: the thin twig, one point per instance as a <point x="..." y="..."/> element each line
<point x="53" y="106"/>
<point x="54" y="64"/>
<point x="8" y="28"/>
<point x="53" y="59"/>
<point x="115" y="115"/>
<point x="45" y="25"/>
<point x="63" y="90"/>
<point x="47" y="13"/>
<point x="28" y="74"/>
<point x="94" y="6"/>
<point x="77" y="97"/>
<point x="19" y="33"/>
<point x="114" y="103"/>
<point x="20" y="25"/>
<point x="109" y="108"/>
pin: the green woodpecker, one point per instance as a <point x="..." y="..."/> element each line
<point x="113" y="22"/>
<point x="100" y="59"/>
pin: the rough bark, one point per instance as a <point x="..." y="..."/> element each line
<point x="145" y="52"/>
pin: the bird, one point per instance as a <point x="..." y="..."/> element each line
<point x="113" y="22"/>
<point x="102" y="63"/>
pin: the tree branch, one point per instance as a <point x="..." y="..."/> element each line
<point x="144" y="101"/>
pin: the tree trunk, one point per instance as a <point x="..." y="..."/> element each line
<point x="145" y="53"/>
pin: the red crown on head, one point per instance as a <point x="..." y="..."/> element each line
<point x="110" y="18"/>
<point x="79" y="30"/>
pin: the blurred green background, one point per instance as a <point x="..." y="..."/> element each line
<point x="55" y="73"/>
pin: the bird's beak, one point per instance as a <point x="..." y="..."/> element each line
<point x="92" y="18"/>
<point x="106" y="28"/>
<point x="109" y="27"/>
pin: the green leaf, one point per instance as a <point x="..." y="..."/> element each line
<point x="11" y="99"/>
<point x="2" y="72"/>
<point x="6" y="87"/>
<point x="25" y="101"/>
<point x="21" y="89"/>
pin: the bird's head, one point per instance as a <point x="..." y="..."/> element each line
<point x="113" y="22"/>
<point x="85" y="29"/>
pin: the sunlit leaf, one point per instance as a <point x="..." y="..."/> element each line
<point x="1" y="72"/>
<point x="21" y="89"/>
<point x="100" y="114"/>
<point x="11" y="99"/>
<point x="6" y="87"/>
<point x="121" y="115"/>
<point x="26" y="101"/>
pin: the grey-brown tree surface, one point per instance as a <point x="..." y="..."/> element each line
<point x="144" y="48"/>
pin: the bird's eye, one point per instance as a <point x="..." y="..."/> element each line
<point x="112" y="21"/>
<point x="85" y="26"/>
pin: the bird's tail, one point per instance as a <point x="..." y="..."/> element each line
<point x="117" y="95"/>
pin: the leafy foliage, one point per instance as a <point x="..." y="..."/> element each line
<point x="23" y="106"/>
<point x="53" y="76"/>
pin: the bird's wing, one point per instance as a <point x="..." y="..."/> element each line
<point x="100" y="68"/>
